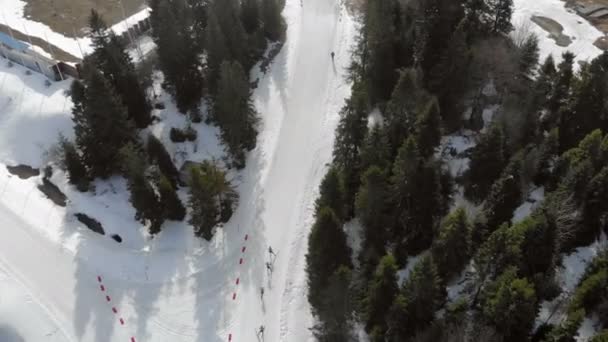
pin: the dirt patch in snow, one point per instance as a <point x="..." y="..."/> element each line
<point x="67" y="16"/>
<point x="51" y="191"/>
<point x="23" y="171"/>
<point x="90" y="223"/>
<point x="555" y="30"/>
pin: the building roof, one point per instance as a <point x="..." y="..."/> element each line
<point x="13" y="43"/>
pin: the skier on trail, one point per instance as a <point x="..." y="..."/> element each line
<point x="269" y="267"/>
<point x="261" y="332"/>
<point x="262" y="293"/>
<point x="271" y="252"/>
<point x="332" y="55"/>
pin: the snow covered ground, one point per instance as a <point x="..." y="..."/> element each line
<point x="174" y="288"/>
<point x="580" y="30"/>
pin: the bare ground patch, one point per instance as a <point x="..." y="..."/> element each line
<point x="69" y="16"/>
<point x="555" y="30"/>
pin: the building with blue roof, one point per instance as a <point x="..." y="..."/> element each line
<point x="22" y="53"/>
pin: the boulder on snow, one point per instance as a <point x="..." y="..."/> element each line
<point x="91" y="223"/>
<point x="116" y="238"/>
<point x="51" y="191"/>
<point x="23" y="171"/>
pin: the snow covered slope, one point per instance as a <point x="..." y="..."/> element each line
<point x="177" y="288"/>
<point x="580" y="30"/>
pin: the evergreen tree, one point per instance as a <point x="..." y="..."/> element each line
<point x="147" y="204"/>
<point x="401" y="109"/>
<point x="528" y="55"/>
<point x="331" y="194"/>
<point x="487" y="161"/>
<point x="380" y="33"/>
<point x="250" y="15"/>
<point x="172" y="205"/>
<point x="327" y="252"/>
<point x="372" y="208"/>
<point x="563" y="82"/>
<point x="501" y="12"/>
<point x="428" y="128"/>
<point x="350" y="135"/>
<point x="335" y="314"/>
<point x="419" y="298"/>
<point x="509" y="304"/>
<point x="273" y="22"/>
<point x="234" y="112"/>
<point x="179" y="52"/>
<point x="375" y="150"/>
<point x="595" y="204"/>
<point x="382" y="291"/>
<point x="217" y="51"/>
<point x="157" y="154"/>
<point x="77" y="172"/>
<point x="452" y="247"/>
<point x="99" y="120"/>
<point x="228" y="14"/>
<point x="212" y="199"/>
<point x="112" y="59"/>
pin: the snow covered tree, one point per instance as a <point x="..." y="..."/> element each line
<point x="382" y="291"/>
<point x="144" y="198"/>
<point x="487" y="161"/>
<point x="452" y="247"/>
<point x="327" y="252"/>
<point x="112" y="59"/>
<point x="157" y="154"/>
<point x="234" y="112"/>
<point x="99" y="119"/>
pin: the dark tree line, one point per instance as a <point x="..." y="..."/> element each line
<point x="424" y="64"/>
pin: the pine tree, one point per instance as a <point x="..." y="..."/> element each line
<point x="157" y="154"/>
<point x="179" y="53"/>
<point x="327" y="252"/>
<point x="335" y="314"/>
<point x="563" y="82"/>
<point x="401" y="109"/>
<point x="501" y="12"/>
<point x="144" y="198"/>
<point x="234" y="112"/>
<point x="372" y="209"/>
<point x="375" y="150"/>
<point x="380" y="33"/>
<point x="250" y="15"/>
<point x="99" y="119"/>
<point x="452" y="247"/>
<point x="382" y="291"/>
<point x="331" y="194"/>
<point x="595" y="206"/>
<point x="420" y="296"/>
<point x="172" y="205"/>
<point x="273" y="22"/>
<point x="487" y="161"/>
<point x="228" y="14"/>
<point x="428" y="128"/>
<point x="112" y="59"/>
<point x="205" y="209"/>
<point x="77" y="172"/>
<point x="509" y="304"/>
<point x="528" y="55"/>
<point x="217" y="51"/>
<point x="350" y="135"/>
